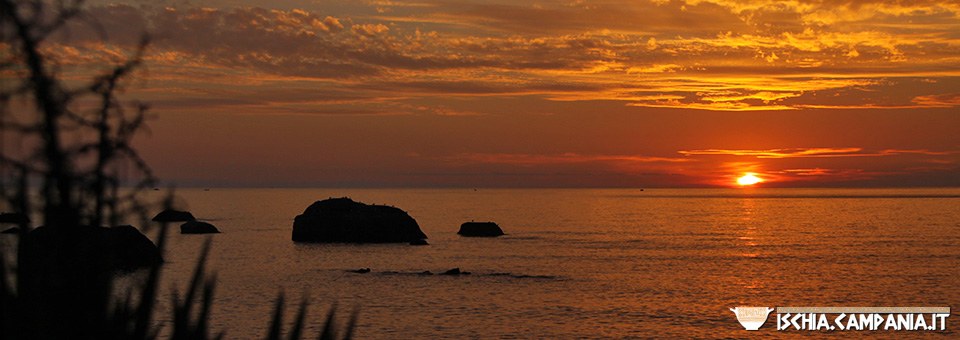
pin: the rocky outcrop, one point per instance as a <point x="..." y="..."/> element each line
<point x="343" y="220"/>
<point x="14" y="218"/>
<point x="197" y="227"/>
<point x="480" y="229"/>
<point x="171" y="215"/>
<point x="454" y="272"/>
<point x="131" y="248"/>
<point x="120" y="248"/>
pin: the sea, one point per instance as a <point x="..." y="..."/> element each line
<point x="580" y="263"/>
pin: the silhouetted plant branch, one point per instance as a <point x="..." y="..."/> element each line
<point x="79" y="160"/>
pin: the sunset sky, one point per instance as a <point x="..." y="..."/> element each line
<point x="519" y="93"/>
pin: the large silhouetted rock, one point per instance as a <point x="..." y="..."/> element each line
<point x="343" y="220"/>
<point x="480" y="229"/>
<point x="65" y="274"/>
<point x="131" y="248"/>
<point x="171" y="215"/>
<point x="197" y="227"/>
<point x="14" y="218"/>
<point x="121" y="247"/>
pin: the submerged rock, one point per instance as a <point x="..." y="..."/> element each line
<point x="480" y="229"/>
<point x="171" y="215"/>
<point x="197" y="227"/>
<point x="343" y="220"/>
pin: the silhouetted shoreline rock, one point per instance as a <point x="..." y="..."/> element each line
<point x="197" y="227"/>
<point x="14" y="218"/>
<point x="480" y="229"/>
<point x="171" y="215"/>
<point x="120" y="247"/>
<point x="343" y="220"/>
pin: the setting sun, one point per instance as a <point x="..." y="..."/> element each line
<point x="749" y="179"/>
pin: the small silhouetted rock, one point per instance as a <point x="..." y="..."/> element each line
<point x="455" y="271"/>
<point x="171" y="215"/>
<point x="13" y="230"/>
<point x="197" y="227"/>
<point x="14" y="218"/>
<point x="480" y="229"/>
<point x="343" y="220"/>
<point x="361" y="270"/>
<point x="420" y="242"/>
<point x="426" y="272"/>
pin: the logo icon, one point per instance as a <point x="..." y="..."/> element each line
<point x="751" y="318"/>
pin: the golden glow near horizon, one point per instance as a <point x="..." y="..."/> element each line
<point x="538" y="93"/>
<point x="749" y="179"/>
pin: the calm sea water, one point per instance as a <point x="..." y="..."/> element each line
<point x="584" y="263"/>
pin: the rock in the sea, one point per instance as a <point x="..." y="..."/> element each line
<point x="14" y="218"/>
<point x="480" y="229"/>
<point x="360" y="271"/>
<point x="455" y="271"/>
<point x="197" y="227"/>
<point x="171" y="215"/>
<point x="131" y="248"/>
<point x="343" y="220"/>
<point x="66" y="274"/>
<point x="120" y="247"/>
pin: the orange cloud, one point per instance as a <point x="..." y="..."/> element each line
<point x="528" y="159"/>
<point x="813" y="152"/>
<point x="810" y="57"/>
<point x="938" y="100"/>
<point x="781" y="153"/>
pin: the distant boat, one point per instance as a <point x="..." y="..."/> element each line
<point x="206" y="189"/>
